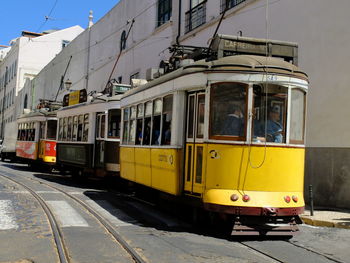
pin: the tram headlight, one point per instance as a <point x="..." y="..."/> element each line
<point x="287" y="199"/>
<point x="246" y="198"/>
<point x="295" y="198"/>
<point x="234" y="197"/>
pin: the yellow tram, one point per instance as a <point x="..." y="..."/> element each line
<point x="228" y="133"/>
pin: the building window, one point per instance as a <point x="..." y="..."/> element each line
<point x="196" y="16"/>
<point x="230" y="4"/>
<point x="164" y="11"/>
<point x="65" y="43"/>
<point x="25" y="103"/>
<point x="123" y="41"/>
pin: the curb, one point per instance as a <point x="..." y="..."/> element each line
<point x="314" y="222"/>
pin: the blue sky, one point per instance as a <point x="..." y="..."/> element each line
<point x="19" y="15"/>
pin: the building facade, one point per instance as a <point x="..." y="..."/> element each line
<point x="26" y="56"/>
<point x="138" y="33"/>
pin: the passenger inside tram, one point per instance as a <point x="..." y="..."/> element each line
<point x="234" y="123"/>
<point x="269" y="106"/>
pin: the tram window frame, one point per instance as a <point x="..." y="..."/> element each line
<point x="132" y="125"/>
<point x="42" y="126"/>
<point x="292" y="126"/>
<point x="64" y="137"/>
<point x="75" y="128"/>
<point x="271" y="102"/>
<point x="86" y="128"/>
<point x="147" y="130"/>
<point x="245" y="113"/>
<point x="98" y="124"/>
<point x="126" y="125"/>
<point x="157" y="118"/>
<point x="139" y="124"/>
<point x="103" y="126"/>
<point x="114" y="121"/>
<point x="51" y="129"/>
<point x="69" y="128"/>
<point x="31" y="135"/>
<point x="80" y="127"/>
<point x="60" y="129"/>
<point x="167" y="117"/>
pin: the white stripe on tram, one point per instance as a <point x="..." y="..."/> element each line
<point x="67" y="215"/>
<point x="7" y="216"/>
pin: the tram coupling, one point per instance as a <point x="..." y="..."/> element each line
<point x="265" y="226"/>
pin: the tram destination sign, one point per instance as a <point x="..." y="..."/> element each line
<point x="226" y="45"/>
<point x="75" y="97"/>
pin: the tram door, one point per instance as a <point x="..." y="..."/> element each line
<point x="100" y="140"/>
<point x="195" y="149"/>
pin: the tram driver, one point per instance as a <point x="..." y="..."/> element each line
<point x="274" y="127"/>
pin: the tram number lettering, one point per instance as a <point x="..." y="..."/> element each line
<point x="165" y="158"/>
<point x="271" y="78"/>
<point x="214" y="154"/>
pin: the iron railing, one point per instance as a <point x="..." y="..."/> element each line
<point x="196" y="16"/>
<point x="230" y="4"/>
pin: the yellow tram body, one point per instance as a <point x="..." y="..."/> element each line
<point x="243" y="174"/>
<point x="156" y="168"/>
<point x="266" y="185"/>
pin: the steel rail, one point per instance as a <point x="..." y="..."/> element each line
<point x="260" y="252"/>
<point x="58" y="237"/>
<point x="315" y="252"/>
<point x="105" y="223"/>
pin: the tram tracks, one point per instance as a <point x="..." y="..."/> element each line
<point x="62" y="249"/>
<point x="256" y="249"/>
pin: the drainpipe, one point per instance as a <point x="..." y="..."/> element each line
<point x="179" y="24"/>
<point x="3" y="105"/>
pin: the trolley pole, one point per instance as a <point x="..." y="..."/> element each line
<point x="311" y="200"/>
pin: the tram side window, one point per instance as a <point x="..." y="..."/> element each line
<point x="228" y="111"/>
<point x="69" y="129"/>
<point x="80" y="128"/>
<point x="297" y="116"/>
<point x="75" y="128"/>
<point x="167" y="117"/>
<point x="270" y="106"/>
<point x="86" y="128"/>
<point x="125" y="125"/>
<point x="64" y="138"/>
<point x="103" y="125"/>
<point x="139" y="124"/>
<point x="51" y="129"/>
<point x="60" y="129"/>
<point x="114" y="123"/>
<point x="156" y="124"/>
<point x="31" y="136"/>
<point x="148" y="123"/>
<point x="132" y="129"/>
<point x="42" y="130"/>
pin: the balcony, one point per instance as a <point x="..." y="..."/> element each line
<point x="230" y="4"/>
<point x="195" y="17"/>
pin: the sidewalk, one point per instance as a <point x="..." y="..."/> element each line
<point x="327" y="218"/>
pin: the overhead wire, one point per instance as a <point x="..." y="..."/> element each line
<point x="47" y="17"/>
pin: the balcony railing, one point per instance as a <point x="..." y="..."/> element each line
<point x="196" y="17"/>
<point x="230" y="4"/>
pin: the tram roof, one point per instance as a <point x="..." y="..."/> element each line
<point x="95" y="101"/>
<point x="38" y="113"/>
<point x="239" y="63"/>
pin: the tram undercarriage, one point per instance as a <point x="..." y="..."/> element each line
<point x="265" y="226"/>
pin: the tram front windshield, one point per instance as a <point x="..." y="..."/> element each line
<point x="228" y="113"/>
